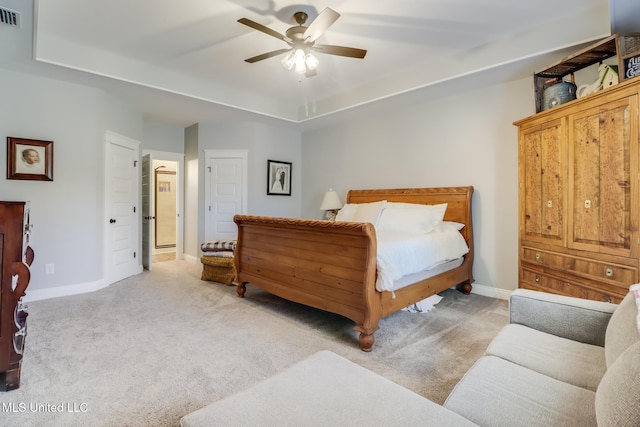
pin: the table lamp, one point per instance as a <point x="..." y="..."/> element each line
<point x="331" y="204"/>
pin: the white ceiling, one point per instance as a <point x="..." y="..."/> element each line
<point x="184" y="61"/>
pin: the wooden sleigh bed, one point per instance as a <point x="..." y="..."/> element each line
<point x="332" y="265"/>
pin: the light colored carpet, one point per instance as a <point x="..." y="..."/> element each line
<point x="152" y="348"/>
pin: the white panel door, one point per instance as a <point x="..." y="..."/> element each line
<point x="121" y="179"/>
<point x="225" y="197"/>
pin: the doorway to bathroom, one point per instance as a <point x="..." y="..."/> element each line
<point x="162" y="207"/>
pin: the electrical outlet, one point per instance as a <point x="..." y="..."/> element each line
<point x="50" y="268"/>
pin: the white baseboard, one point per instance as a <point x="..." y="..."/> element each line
<point x="192" y="259"/>
<point x="490" y="291"/>
<point x="63" y="291"/>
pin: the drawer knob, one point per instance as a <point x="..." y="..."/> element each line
<point x="608" y="272"/>
<point x="538" y="256"/>
<point x="537" y="279"/>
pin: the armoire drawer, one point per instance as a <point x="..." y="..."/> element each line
<point x="624" y="275"/>
<point x="573" y="287"/>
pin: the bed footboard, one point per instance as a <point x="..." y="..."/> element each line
<point x="323" y="264"/>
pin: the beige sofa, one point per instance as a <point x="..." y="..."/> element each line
<point x="559" y="362"/>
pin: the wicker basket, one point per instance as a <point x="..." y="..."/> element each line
<point x="218" y="269"/>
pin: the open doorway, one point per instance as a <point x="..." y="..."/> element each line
<point x="165" y="224"/>
<point x="162" y="207"/>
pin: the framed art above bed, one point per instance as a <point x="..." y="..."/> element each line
<point x="278" y="178"/>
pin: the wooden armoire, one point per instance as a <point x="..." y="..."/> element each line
<point x="15" y="258"/>
<point x="579" y="207"/>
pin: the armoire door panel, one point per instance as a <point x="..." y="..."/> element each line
<point x="543" y="176"/>
<point x="601" y="159"/>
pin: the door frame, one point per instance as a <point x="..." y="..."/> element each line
<point x="179" y="159"/>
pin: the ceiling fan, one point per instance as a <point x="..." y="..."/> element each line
<point x="302" y="42"/>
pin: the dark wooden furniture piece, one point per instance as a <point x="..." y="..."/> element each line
<point x="579" y="195"/>
<point x="332" y="265"/>
<point x="15" y="258"/>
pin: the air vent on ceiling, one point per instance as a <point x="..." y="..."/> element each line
<point x="9" y="17"/>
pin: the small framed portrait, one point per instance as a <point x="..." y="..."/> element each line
<point x="278" y="178"/>
<point x="29" y="159"/>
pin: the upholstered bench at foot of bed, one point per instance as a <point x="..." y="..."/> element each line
<point x="324" y="390"/>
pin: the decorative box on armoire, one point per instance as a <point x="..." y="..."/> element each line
<point x="579" y="201"/>
<point x="15" y="258"/>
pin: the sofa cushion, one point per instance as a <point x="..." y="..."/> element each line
<point x="618" y="396"/>
<point x="496" y="392"/>
<point x="635" y="290"/>
<point x="621" y="330"/>
<point x="324" y="390"/>
<point x="566" y="360"/>
<point x="569" y="317"/>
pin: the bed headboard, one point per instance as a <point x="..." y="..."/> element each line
<point x="458" y="201"/>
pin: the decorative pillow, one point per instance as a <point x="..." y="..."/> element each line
<point x="410" y="217"/>
<point x="369" y="212"/>
<point x="618" y="394"/>
<point x="347" y="213"/>
<point x="635" y="290"/>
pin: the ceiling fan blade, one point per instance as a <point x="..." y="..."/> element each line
<point x="351" y="52"/>
<point x="266" y="55"/>
<point x="319" y="25"/>
<point x="260" y="27"/>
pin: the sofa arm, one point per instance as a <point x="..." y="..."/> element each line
<point x="574" y="318"/>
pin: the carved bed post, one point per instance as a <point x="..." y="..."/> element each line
<point x="373" y="308"/>
<point x="241" y="289"/>
<point x="464" y="287"/>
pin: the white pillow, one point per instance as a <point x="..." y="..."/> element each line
<point x="458" y="225"/>
<point x="369" y="212"/>
<point x="361" y="212"/>
<point x="410" y="217"/>
<point x="347" y="213"/>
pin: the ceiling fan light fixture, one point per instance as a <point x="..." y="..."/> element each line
<point x="296" y="61"/>
<point x="288" y="61"/>
<point x="311" y="61"/>
<point x="300" y="62"/>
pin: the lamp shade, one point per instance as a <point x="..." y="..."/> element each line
<point x="330" y="201"/>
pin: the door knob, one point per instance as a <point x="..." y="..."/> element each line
<point x="112" y="221"/>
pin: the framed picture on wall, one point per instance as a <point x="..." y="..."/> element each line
<point x="29" y="159"/>
<point x="278" y="178"/>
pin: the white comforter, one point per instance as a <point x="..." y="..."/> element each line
<point x="401" y="254"/>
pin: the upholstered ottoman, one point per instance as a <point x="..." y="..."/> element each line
<point x="324" y="390"/>
<point x="218" y="261"/>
